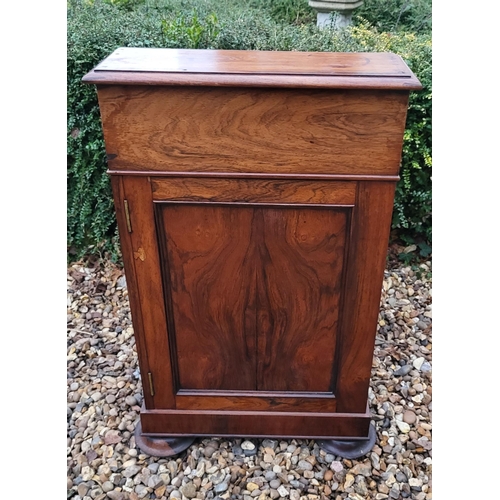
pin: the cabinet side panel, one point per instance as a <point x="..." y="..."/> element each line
<point x="365" y="268"/>
<point x="253" y="130"/>
<point x="209" y="267"/>
<point x="299" y="288"/>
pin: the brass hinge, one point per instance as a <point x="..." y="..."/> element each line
<point x="127" y="216"/>
<point x="151" y="388"/>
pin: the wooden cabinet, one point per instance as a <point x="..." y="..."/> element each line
<point x="254" y="193"/>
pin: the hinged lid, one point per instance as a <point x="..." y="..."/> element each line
<point x="129" y="65"/>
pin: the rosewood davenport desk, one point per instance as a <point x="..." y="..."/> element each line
<point x="254" y="193"/>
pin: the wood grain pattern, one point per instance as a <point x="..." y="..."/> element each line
<point x="135" y="66"/>
<point x="301" y="258"/>
<point x="212" y="281"/>
<point x="253" y="130"/>
<point x="254" y="191"/>
<point x="256" y="423"/>
<point x="367" y="258"/>
<point x="297" y="176"/>
<point x="103" y="79"/>
<point x="140" y="334"/>
<point x="254" y="62"/>
<point x="255" y="295"/>
<point x="260" y="401"/>
<point x="143" y="249"/>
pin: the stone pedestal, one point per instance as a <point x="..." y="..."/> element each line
<point x="343" y="12"/>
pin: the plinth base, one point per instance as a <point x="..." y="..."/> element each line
<point x="350" y="448"/>
<point x="161" y="447"/>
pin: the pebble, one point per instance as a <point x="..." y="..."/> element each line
<point x="131" y="401"/>
<point x="403" y="370"/>
<point x="349" y="480"/>
<point x="270" y="475"/>
<point x="105" y="393"/>
<point x="220" y="488"/>
<point x="362" y="469"/>
<point x="403" y="426"/>
<point x="426" y="367"/>
<point x="107" y="486"/>
<point x="417" y="363"/>
<point x="82" y="489"/>
<point x="141" y="490"/>
<point x="283" y="491"/>
<point x="176" y="482"/>
<point x="131" y="471"/>
<point x="304" y="465"/>
<point x="247" y="445"/>
<point x="395" y="490"/>
<point x="337" y="466"/>
<point x="409" y="417"/>
<point x="270" y="443"/>
<point x="115" y="495"/>
<point x="189" y="490"/>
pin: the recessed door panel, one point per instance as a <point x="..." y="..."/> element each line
<point x="252" y="295"/>
<point x="209" y="274"/>
<point x="298" y="293"/>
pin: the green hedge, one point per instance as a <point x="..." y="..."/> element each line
<point x="96" y="28"/>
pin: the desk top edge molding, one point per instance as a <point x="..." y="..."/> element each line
<point x="203" y="67"/>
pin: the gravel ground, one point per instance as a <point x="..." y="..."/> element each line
<point x="104" y="398"/>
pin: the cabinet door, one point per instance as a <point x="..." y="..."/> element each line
<point x="252" y="294"/>
<point x="252" y="274"/>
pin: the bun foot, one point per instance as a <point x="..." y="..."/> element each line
<point x="161" y="447"/>
<point x="349" y="448"/>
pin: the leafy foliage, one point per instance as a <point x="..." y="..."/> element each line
<point x="287" y="11"/>
<point x="393" y="15"/>
<point x="98" y="27"/>
<point x="125" y="4"/>
<point x="189" y="31"/>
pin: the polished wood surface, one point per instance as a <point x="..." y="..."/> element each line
<point x="298" y="292"/>
<point x="257" y="400"/>
<point x="250" y="288"/>
<point x="254" y="62"/>
<point x="255" y="423"/>
<point x="266" y="81"/>
<point x="364" y="274"/>
<point x="253" y="130"/>
<point x="254" y="191"/>
<point x="155" y="66"/>
<point x="249" y="175"/>
<point x="260" y="189"/>
<point x="211" y="279"/>
<point x="142" y="250"/>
